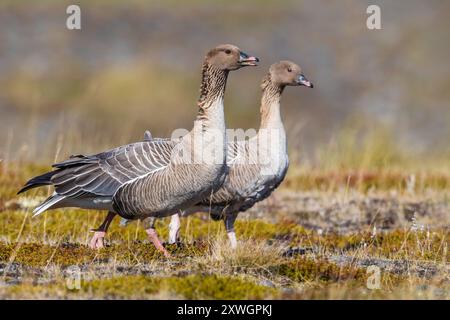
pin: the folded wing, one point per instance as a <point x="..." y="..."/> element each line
<point x="102" y="174"/>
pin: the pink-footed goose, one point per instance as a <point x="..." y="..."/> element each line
<point x="153" y="178"/>
<point x="256" y="166"/>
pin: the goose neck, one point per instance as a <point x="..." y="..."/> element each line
<point x="209" y="126"/>
<point x="270" y="104"/>
<point x="212" y="90"/>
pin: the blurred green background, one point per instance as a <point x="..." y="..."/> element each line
<point x="135" y="65"/>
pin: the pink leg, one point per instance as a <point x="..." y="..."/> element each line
<point x="97" y="240"/>
<point x="100" y="232"/>
<point x="155" y="240"/>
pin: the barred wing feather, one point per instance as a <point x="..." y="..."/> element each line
<point x="102" y="174"/>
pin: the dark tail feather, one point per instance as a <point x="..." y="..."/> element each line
<point x="42" y="180"/>
<point x="75" y="160"/>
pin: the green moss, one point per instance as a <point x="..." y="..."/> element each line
<point x="218" y="287"/>
<point x="33" y="254"/>
<point x="37" y="255"/>
<point x="262" y="230"/>
<point x="123" y="287"/>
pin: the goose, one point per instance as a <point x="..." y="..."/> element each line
<point x="256" y="166"/>
<point x="156" y="177"/>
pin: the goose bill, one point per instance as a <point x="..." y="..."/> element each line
<point x="246" y="60"/>
<point x="304" y="82"/>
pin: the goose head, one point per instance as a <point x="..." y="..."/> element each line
<point x="287" y="73"/>
<point x="228" y="57"/>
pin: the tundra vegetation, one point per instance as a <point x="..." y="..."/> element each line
<point x="319" y="236"/>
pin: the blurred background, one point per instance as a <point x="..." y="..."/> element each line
<point x="381" y="97"/>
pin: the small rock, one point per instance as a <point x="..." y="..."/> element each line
<point x="267" y="283"/>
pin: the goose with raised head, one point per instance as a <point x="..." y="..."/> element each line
<point x="155" y="177"/>
<point x="258" y="165"/>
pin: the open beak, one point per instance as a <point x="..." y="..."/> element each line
<point x="302" y="81"/>
<point x="246" y="60"/>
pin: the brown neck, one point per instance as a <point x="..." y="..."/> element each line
<point x="270" y="102"/>
<point x="212" y="88"/>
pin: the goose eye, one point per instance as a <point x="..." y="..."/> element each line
<point x="228" y="51"/>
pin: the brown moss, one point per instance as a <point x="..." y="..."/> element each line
<point x="306" y="269"/>
<point x="397" y="244"/>
<point x="421" y="245"/>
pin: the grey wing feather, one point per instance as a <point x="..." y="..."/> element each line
<point x="102" y="174"/>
